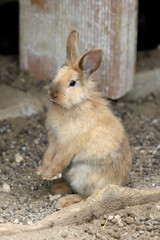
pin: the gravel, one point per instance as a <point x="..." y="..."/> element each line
<point x="25" y="198"/>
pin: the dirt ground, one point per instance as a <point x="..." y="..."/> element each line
<point x="25" y="198"/>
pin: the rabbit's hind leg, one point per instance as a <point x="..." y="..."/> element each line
<point x="69" y="200"/>
<point x="61" y="187"/>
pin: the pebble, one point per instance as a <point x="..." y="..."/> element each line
<point x="18" y="157"/>
<point x="117" y="217"/>
<point x="129" y="220"/>
<point x="135" y="235"/>
<point x="98" y="235"/>
<point x="141" y="232"/>
<point x="32" y="188"/>
<point x="36" y="141"/>
<point x="102" y="222"/>
<point x="29" y="222"/>
<point x="6" y="187"/>
<point x="22" y="80"/>
<point x="23" y="148"/>
<point x="2" y="130"/>
<point x="63" y="234"/>
<point x="158" y="147"/>
<point x="16" y="221"/>
<point x="54" y="197"/>
<point x="45" y="205"/>
<point x="104" y="238"/>
<point x="110" y="218"/>
<point x="121" y="225"/>
<point x="151" y="217"/>
<point x="143" y="218"/>
<point x="155" y="121"/>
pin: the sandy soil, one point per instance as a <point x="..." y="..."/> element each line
<point x="25" y="198"/>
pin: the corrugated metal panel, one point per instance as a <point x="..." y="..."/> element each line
<point x="109" y="24"/>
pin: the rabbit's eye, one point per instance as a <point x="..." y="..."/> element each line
<point x="72" y="83"/>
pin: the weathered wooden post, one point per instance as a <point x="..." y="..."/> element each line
<point x="110" y="24"/>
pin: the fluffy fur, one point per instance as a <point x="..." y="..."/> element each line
<point x="87" y="143"/>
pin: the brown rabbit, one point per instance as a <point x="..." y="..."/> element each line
<point x="87" y="143"/>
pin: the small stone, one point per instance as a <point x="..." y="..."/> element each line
<point x="23" y="148"/>
<point x="64" y="235"/>
<point x="16" y="221"/>
<point x="140" y="227"/>
<point x="149" y="228"/>
<point x="102" y="222"/>
<point x="51" y="198"/>
<point x="110" y="218"/>
<point x="45" y="205"/>
<point x="115" y="235"/>
<point x="32" y="188"/>
<point x="158" y="147"/>
<point x="143" y="218"/>
<point x="46" y="87"/>
<point x="22" y="80"/>
<point x="155" y="222"/>
<point x="89" y="230"/>
<point x="29" y="222"/>
<point x="54" y="197"/>
<point x="129" y="220"/>
<point x="6" y="187"/>
<point x="7" y="215"/>
<point x="18" y="158"/>
<point x="141" y="232"/>
<point x="36" y="141"/>
<point x="125" y="235"/>
<point x="98" y="235"/>
<point x="117" y="217"/>
<point x="104" y="238"/>
<point x="134" y="235"/>
<point x="121" y="225"/>
<point x="1" y="130"/>
<point x="30" y="206"/>
<point x="155" y="121"/>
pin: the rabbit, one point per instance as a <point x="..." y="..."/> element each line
<point x="87" y="143"/>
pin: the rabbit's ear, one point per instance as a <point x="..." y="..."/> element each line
<point x="72" y="48"/>
<point x="91" y="61"/>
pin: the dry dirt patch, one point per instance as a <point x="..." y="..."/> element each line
<point x="104" y="201"/>
<point x="29" y="200"/>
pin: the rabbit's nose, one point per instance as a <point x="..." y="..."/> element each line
<point x="54" y="94"/>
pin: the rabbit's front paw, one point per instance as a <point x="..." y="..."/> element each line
<point x="50" y="174"/>
<point x="40" y="170"/>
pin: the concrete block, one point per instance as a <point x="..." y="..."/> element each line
<point x="15" y="103"/>
<point x="145" y="83"/>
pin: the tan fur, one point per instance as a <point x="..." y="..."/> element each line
<point x="61" y="187"/>
<point x="86" y="141"/>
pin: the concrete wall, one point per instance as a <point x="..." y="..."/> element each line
<point x="109" y="24"/>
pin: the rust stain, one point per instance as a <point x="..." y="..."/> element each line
<point x="42" y="4"/>
<point x="39" y="66"/>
